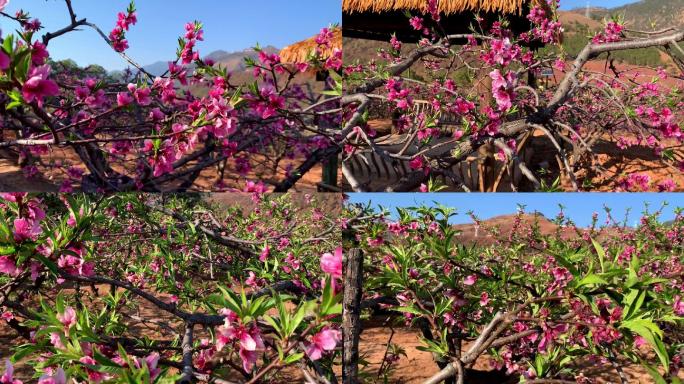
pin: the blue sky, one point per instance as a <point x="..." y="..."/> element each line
<point x="578" y="206"/>
<point x="570" y="4"/>
<point x="230" y="25"/>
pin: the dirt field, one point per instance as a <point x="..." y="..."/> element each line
<point x="13" y="179"/>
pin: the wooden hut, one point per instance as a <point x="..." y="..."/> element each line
<point x="379" y="19"/>
<point x="298" y="52"/>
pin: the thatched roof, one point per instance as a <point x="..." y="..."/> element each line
<point x="298" y="52"/>
<point x="447" y="7"/>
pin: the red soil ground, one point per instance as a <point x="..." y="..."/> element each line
<point x="13" y="179"/>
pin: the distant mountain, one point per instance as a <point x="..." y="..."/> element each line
<point x="233" y="61"/>
<point x="645" y="14"/>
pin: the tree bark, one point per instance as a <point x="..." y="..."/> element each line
<point x="351" y="323"/>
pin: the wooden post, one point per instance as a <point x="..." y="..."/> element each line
<point x="351" y="323"/>
<point x="330" y="167"/>
<point x="330" y="164"/>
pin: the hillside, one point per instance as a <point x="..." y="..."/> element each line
<point x="233" y="61"/>
<point x="472" y="235"/>
<point x="645" y="14"/>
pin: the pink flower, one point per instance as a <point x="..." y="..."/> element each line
<point x="56" y="340"/>
<point x="38" y="86"/>
<point x="272" y="101"/>
<point x="142" y="95"/>
<point x="640" y="342"/>
<point x="484" y="299"/>
<point x="151" y="361"/>
<point x="59" y="377"/>
<point x="470" y="280"/>
<point x="75" y="265"/>
<point x="93" y="376"/>
<point x="7" y="377"/>
<point x="123" y="99"/>
<point x="559" y="64"/>
<point x="265" y="253"/>
<point x="611" y="34"/>
<point x="332" y="263"/>
<point x="39" y="53"/>
<point x="118" y="34"/>
<point x="251" y="279"/>
<point x="678" y="306"/>
<point x="249" y="339"/>
<point x="667" y="185"/>
<point x="25" y="229"/>
<point x="7" y="316"/>
<point x="8" y="266"/>
<point x="157" y="115"/>
<point x="4" y="61"/>
<point x="502" y="89"/>
<point x="68" y="318"/>
<point x="250" y="345"/>
<point x="550" y="334"/>
<point x="417" y="23"/>
<point x="13" y="196"/>
<point x="502" y="52"/>
<point x="416" y="163"/>
<point x="638" y="181"/>
<point x="325" y="340"/>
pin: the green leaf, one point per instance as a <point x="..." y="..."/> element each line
<point x="592" y="279"/>
<point x="7" y="249"/>
<point x="653" y="334"/>
<point x="48" y="263"/>
<point x="601" y="253"/>
<point x="633" y="302"/>
<point x="412" y="310"/>
<point x="8" y="44"/>
<point x="293" y="358"/>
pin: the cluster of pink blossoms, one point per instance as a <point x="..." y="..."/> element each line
<point x="248" y="337"/>
<point x="53" y="376"/>
<point x="90" y="95"/>
<point x="546" y="30"/>
<point x="38" y="86"/>
<point x="663" y="121"/>
<point x="611" y="34"/>
<point x="69" y="319"/>
<point x="502" y="52"/>
<point x="193" y="33"/>
<point x="401" y="96"/>
<point x="26" y="227"/>
<point x="140" y="95"/>
<point x="641" y="182"/>
<point x="118" y="35"/>
<point x="503" y="89"/>
<point x="417" y="24"/>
